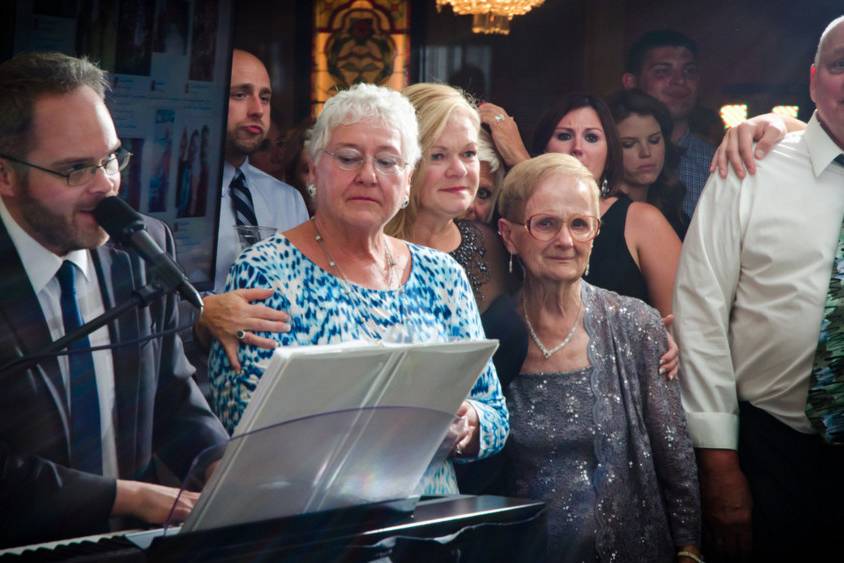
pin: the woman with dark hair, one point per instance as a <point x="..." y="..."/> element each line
<point x="637" y="251"/>
<point x="601" y="145"/>
<point x="650" y="158"/>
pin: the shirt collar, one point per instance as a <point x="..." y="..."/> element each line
<point x="229" y="172"/>
<point x="822" y="149"/>
<point x="39" y="263"/>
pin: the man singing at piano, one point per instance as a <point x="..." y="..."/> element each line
<point x="78" y="432"/>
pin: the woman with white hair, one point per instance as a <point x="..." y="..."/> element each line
<point x="340" y="277"/>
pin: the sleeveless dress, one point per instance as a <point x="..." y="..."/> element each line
<point x="611" y="266"/>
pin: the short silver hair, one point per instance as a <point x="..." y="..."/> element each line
<point x="832" y="25"/>
<point x="488" y="153"/>
<point x="367" y="101"/>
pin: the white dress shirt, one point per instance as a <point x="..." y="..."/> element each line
<point x="751" y="286"/>
<point x="41" y="266"/>
<point x="276" y="205"/>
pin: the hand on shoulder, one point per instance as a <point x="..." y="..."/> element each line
<point x="737" y="148"/>
<point x="234" y="317"/>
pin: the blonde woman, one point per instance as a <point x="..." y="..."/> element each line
<point x="442" y="189"/>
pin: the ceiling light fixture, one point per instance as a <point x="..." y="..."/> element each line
<point x="490" y="16"/>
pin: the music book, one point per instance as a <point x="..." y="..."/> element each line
<point x="338" y="426"/>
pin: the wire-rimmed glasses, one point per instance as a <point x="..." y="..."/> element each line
<point x="384" y="163"/>
<point x="544" y="227"/>
<point x="112" y="165"/>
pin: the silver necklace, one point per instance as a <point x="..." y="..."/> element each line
<point x="369" y="327"/>
<point x="545" y="351"/>
<point x="389" y="261"/>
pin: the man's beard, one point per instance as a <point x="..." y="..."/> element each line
<point x="242" y="147"/>
<point x="57" y="232"/>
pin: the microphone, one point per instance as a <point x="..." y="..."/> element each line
<point x="125" y="225"/>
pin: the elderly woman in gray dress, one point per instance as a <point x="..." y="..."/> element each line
<point x="596" y="432"/>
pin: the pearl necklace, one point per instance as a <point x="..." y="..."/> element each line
<point x="545" y="351"/>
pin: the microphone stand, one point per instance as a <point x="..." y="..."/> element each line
<point x="140" y="298"/>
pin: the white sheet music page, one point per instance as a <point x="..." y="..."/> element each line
<point x="339" y="425"/>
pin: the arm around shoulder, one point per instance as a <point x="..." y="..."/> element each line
<point x="737" y="148"/>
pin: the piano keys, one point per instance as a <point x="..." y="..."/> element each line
<point x="480" y="528"/>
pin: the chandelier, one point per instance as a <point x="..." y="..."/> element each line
<point x="490" y="16"/>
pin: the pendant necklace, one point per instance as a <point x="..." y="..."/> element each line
<point x="533" y="336"/>
<point x="389" y="261"/>
<point x="353" y="294"/>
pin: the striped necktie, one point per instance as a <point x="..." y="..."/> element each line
<point x="825" y="402"/>
<point x="242" y="206"/>
<point x="85" y="441"/>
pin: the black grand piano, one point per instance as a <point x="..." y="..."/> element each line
<point x="460" y="528"/>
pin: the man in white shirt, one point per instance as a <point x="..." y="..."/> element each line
<point x="274" y="204"/>
<point x="749" y="299"/>
<point x="78" y="432"/>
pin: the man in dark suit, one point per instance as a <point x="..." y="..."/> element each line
<point x="78" y="433"/>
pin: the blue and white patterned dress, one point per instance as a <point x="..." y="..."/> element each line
<point x="435" y="304"/>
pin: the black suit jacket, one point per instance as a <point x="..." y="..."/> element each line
<point x="159" y="409"/>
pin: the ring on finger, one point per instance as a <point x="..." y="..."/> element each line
<point x="458" y="449"/>
<point x="240" y="335"/>
<point x="499" y="118"/>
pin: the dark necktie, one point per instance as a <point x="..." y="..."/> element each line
<point x="244" y="209"/>
<point x="85" y="447"/>
<point x="825" y="402"/>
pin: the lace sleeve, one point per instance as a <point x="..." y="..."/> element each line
<point x="674" y="457"/>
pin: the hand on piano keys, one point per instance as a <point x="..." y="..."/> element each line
<point x="155" y="504"/>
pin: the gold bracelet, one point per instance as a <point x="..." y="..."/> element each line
<point x="690" y="555"/>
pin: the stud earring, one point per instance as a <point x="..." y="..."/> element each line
<point x="405" y="203"/>
<point x="586" y="271"/>
<point x="311" y="189"/>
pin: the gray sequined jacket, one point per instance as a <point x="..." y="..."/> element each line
<point x="646" y="481"/>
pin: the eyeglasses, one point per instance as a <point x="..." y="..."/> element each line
<point x="384" y="164"/>
<point x="82" y="174"/>
<point x="544" y="227"/>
